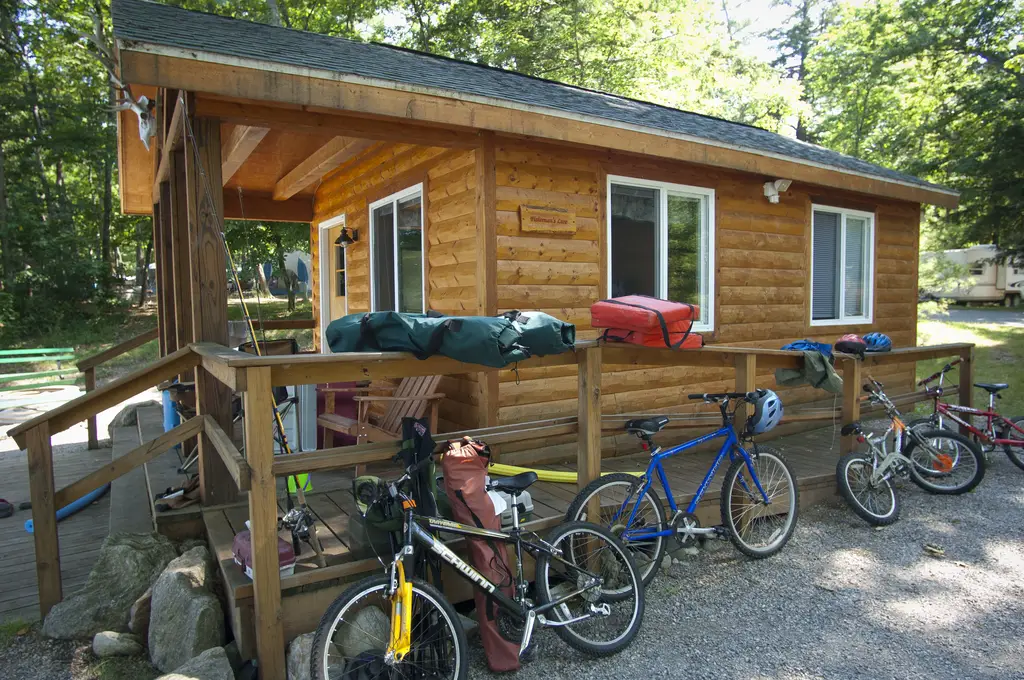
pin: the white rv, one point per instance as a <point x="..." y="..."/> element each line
<point x="989" y="281"/>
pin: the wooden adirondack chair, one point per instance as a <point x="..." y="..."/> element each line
<point x="413" y="398"/>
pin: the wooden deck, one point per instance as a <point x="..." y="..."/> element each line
<point x="308" y="592"/>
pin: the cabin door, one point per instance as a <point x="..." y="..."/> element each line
<point x="332" y="275"/>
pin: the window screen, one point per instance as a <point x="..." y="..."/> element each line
<point x="397" y="257"/>
<point x="634" y="216"/>
<point x="384" y="258"/>
<point x="825" y="274"/>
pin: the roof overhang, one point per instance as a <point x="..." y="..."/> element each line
<point x="251" y="79"/>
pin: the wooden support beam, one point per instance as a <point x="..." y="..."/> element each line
<point x="117" y="350"/>
<point x="320" y="162"/>
<point x="486" y="259"/>
<point x="588" y="452"/>
<point x="966" y="395"/>
<point x="852" y="385"/>
<point x="168" y="144"/>
<point x="158" y="245"/>
<point x="259" y="447"/>
<point x="233" y="460"/>
<point x="239" y="145"/>
<point x="44" y="518"/>
<point x="324" y="120"/>
<point x="214" y="361"/>
<point x="209" y="295"/>
<point x="746" y="381"/>
<point x="181" y="256"/>
<point x="259" y="206"/>
<point x="128" y="462"/>
<point x="165" y="270"/>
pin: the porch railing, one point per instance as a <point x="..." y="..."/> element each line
<point x="258" y="470"/>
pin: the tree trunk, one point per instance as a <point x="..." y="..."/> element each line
<point x="145" y="272"/>
<point x="261" y="281"/>
<point x="6" y="259"/>
<point x="108" y="200"/>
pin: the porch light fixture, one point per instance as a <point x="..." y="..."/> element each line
<point x="345" y="239"/>
<point x="772" y="189"/>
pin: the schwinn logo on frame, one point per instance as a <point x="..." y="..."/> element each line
<point x="454" y="560"/>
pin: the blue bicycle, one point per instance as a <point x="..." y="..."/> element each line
<point x="759" y="498"/>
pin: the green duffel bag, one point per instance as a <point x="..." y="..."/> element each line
<point x="489" y="341"/>
<point x="542" y="333"/>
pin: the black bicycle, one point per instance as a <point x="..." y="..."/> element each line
<point x="587" y="589"/>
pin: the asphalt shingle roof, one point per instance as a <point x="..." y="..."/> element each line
<point x="149" y="22"/>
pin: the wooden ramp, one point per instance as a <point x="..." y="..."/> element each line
<point x="307" y="593"/>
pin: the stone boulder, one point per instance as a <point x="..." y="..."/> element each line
<point x="126" y="567"/>
<point x="300" y="652"/>
<point x="369" y="630"/>
<point x="210" y="665"/>
<point x="138" y="615"/>
<point x="109" y="643"/>
<point x="129" y="415"/>
<point x="186" y="617"/>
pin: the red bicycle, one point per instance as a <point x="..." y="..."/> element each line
<point x="1010" y="433"/>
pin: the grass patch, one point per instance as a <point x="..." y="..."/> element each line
<point x="11" y="629"/>
<point x="119" y="668"/>
<point x="998" y="357"/>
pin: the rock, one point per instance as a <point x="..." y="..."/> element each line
<point x="138" y="615"/>
<point x="186" y="618"/>
<point x="129" y="415"/>
<point x="189" y="543"/>
<point x="210" y="665"/>
<point x="127" y="566"/>
<point x="109" y="643"/>
<point x="370" y="629"/>
<point x="300" y="653"/>
<point x="666" y="562"/>
<point x="234" y="656"/>
<point x="469" y="625"/>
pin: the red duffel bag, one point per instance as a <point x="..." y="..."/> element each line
<point x="684" y="340"/>
<point x="465" y="470"/>
<point x="671" y="321"/>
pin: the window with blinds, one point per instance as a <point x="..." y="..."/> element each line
<point x="396" y="252"/>
<point x="662" y="243"/>
<point x="841" y="266"/>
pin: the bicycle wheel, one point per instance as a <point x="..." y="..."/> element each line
<point x="944" y="462"/>
<point x="352" y="636"/>
<point x="1015" y="452"/>
<point x="876" y="504"/>
<point x="614" y="610"/>
<point x="617" y="494"/>
<point x="756" y="528"/>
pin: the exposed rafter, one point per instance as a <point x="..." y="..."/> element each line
<point x="238" y="146"/>
<point x="323" y="160"/>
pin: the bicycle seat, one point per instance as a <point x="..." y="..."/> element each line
<point x="646" y="426"/>
<point x="992" y="388"/>
<point x="513" y="485"/>
<point x="851" y="428"/>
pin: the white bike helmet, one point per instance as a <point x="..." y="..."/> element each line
<point x="767" y="412"/>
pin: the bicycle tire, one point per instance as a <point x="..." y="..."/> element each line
<point x="610" y="566"/>
<point x="920" y="476"/>
<point x="329" y="624"/>
<point x="728" y="497"/>
<point x="1014" y="453"/>
<point x="647" y="554"/>
<point x="847" y="464"/>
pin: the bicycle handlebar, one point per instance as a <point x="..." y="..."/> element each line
<point x="945" y="369"/>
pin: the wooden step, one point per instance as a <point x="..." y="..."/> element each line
<point x="129" y="502"/>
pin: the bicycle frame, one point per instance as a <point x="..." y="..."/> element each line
<point x="731" y="444"/>
<point x="991" y="416"/>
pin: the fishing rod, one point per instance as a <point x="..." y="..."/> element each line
<point x="300" y="520"/>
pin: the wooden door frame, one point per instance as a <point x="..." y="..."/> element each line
<point x="325" y="281"/>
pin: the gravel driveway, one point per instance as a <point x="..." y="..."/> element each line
<point x="842" y="600"/>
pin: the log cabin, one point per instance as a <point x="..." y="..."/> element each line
<point x="435" y="184"/>
<point x="473" y="190"/>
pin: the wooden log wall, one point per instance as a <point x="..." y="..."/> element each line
<point x="449" y="180"/>
<point x="762" y="271"/>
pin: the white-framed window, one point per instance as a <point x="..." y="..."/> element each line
<point x="396" y="252"/>
<point x="842" y="266"/>
<point x="661" y="242"/>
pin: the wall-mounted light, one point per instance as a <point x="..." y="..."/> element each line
<point x="773" y="188"/>
<point x="345" y="239"/>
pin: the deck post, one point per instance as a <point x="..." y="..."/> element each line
<point x="851" y="399"/>
<point x="44" y="517"/>
<point x="205" y="210"/>
<point x="966" y="397"/>
<point x="746" y="381"/>
<point x="90" y="385"/>
<point x="588" y="453"/>
<point x="259" y="452"/>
